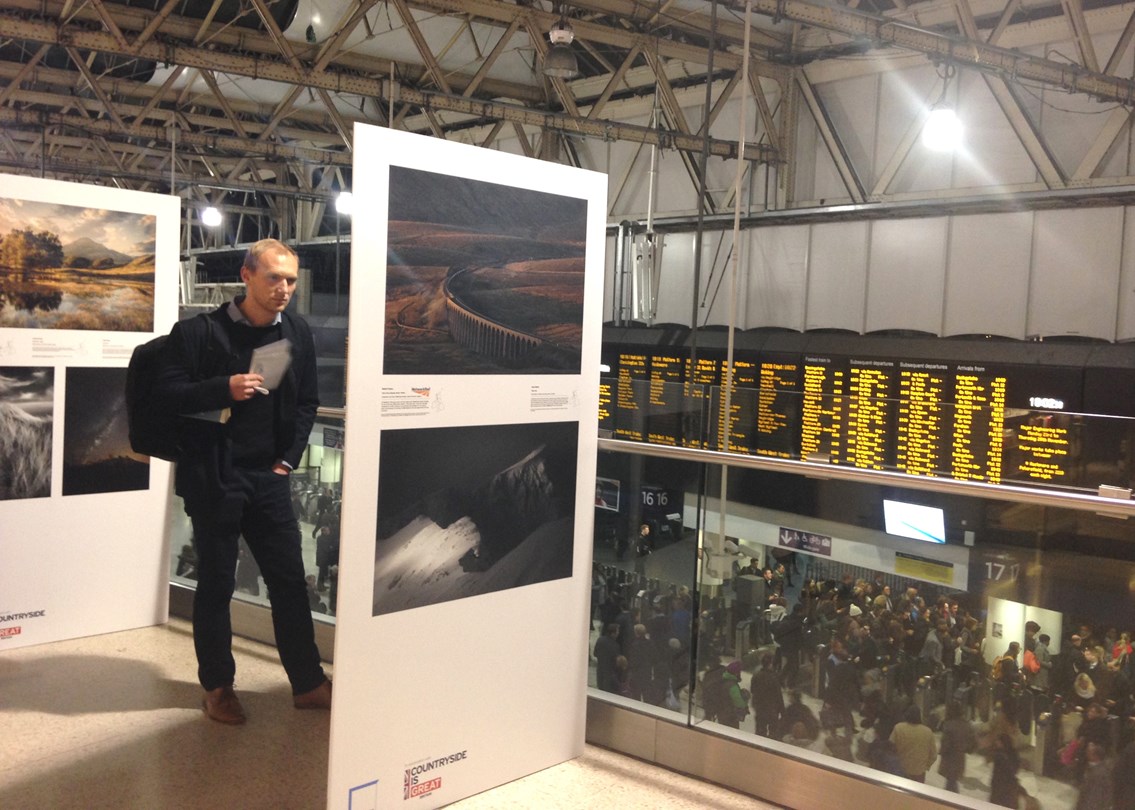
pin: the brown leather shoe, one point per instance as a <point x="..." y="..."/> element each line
<point x="317" y="698"/>
<point x="222" y="704"/>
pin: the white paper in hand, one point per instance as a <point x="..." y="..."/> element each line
<point x="271" y="362"/>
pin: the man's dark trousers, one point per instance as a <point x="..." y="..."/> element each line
<point x="258" y="505"/>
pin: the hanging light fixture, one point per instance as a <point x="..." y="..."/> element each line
<point x="943" y="130"/>
<point x="345" y="203"/>
<point x="560" y="61"/>
<point x="210" y="217"/>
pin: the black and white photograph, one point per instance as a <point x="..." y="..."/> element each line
<point x="26" y="419"/>
<point x="70" y="267"/>
<point x="482" y="278"/>
<point x="96" y="447"/>
<point x="465" y="511"/>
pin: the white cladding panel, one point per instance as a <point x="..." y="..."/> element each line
<point x="905" y="274"/>
<point x="1075" y="276"/>
<point x="676" y="280"/>
<point x="837" y="276"/>
<point x="1125" y="329"/>
<point x="991" y="154"/>
<point x="987" y="275"/>
<point x="713" y="292"/>
<point x="778" y="265"/>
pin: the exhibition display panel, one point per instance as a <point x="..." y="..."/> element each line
<point x="86" y="274"/>
<point x="472" y="386"/>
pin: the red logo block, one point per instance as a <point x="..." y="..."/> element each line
<point x="425" y="787"/>
<point x="6" y="632"/>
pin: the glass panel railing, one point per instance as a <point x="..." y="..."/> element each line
<point x="316" y="495"/>
<point x="813" y="625"/>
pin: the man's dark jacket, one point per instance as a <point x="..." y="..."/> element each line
<point x="195" y="378"/>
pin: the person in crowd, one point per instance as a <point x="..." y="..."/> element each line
<point x="799" y="736"/>
<point x="841" y="691"/>
<point x="1123" y="778"/>
<point x="732" y="680"/>
<point x="1120" y="651"/>
<point x="788" y="634"/>
<point x="611" y="606"/>
<point x="326" y="555"/>
<point x="644" y="547"/>
<point x="1005" y="789"/>
<point x="606" y="651"/>
<point x="914" y="743"/>
<point x="1096" y="785"/>
<point x="623" y="676"/>
<point x="679" y="666"/>
<point x="1006" y="672"/>
<point x="186" y="562"/>
<point x="934" y="650"/>
<point x="642" y="657"/>
<point x="1031" y="630"/>
<point x="315" y="604"/>
<point x="681" y="618"/>
<point x="958" y="739"/>
<point x="235" y="481"/>
<point x="766" y="697"/>
<point x="626" y="619"/>
<point x="1041" y="680"/>
<point x="798" y="712"/>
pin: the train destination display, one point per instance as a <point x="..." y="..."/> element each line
<point x="969" y="421"/>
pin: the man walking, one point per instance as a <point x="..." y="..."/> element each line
<point x="233" y="474"/>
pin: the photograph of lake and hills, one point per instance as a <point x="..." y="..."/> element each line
<point x="482" y="278"/>
<point x="69" y="267"/>
<point x="27" y="395"/>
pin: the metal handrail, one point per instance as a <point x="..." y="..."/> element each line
<point x="1113" y="507"/>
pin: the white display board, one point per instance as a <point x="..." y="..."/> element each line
<point x="86" y="274"/>
<point x="469" y="470"/>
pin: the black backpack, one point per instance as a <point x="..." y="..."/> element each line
<point x="154" y="431"/>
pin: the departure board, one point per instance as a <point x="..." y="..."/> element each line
<point x="705" y="376"/>
<point x="870" y="406"/>
<point x="630" y="396"/>
<point x="664" y="422"/>
<point x="924" y="417"/>
<point x="606" y="405"/>
<point x="967" y="420"/>
<point x="821" y="409"/>
<point x="742" y="407"/>
<point x="778" y="408"/>
<point x="977" y="437"/>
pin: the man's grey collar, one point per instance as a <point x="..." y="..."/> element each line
<point x="238" y="316"/>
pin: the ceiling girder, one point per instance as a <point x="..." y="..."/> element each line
<point x="831" y="139"/>
<point x="337" y="81"/>
<point x="1028" y="134"/>
<point x="971" y="53"/>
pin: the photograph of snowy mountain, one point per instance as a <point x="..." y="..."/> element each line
<point x="26" y="415"/>
<point x="467" y="511"/>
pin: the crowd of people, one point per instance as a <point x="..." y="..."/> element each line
<point x="907" y="682"/>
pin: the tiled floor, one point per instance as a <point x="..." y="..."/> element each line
<point x="114" y="721"/>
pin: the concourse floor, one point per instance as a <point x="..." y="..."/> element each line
<point x="114" y="721"/>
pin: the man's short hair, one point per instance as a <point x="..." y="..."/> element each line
<point x="258" y="249"/>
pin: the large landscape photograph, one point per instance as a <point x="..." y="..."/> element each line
<point x="472" y="510"/>
<point x="482" y="278"/>
<point x="26" y="416"/>
<point x="96" y="445"/>
<point x="68" y="267"/>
